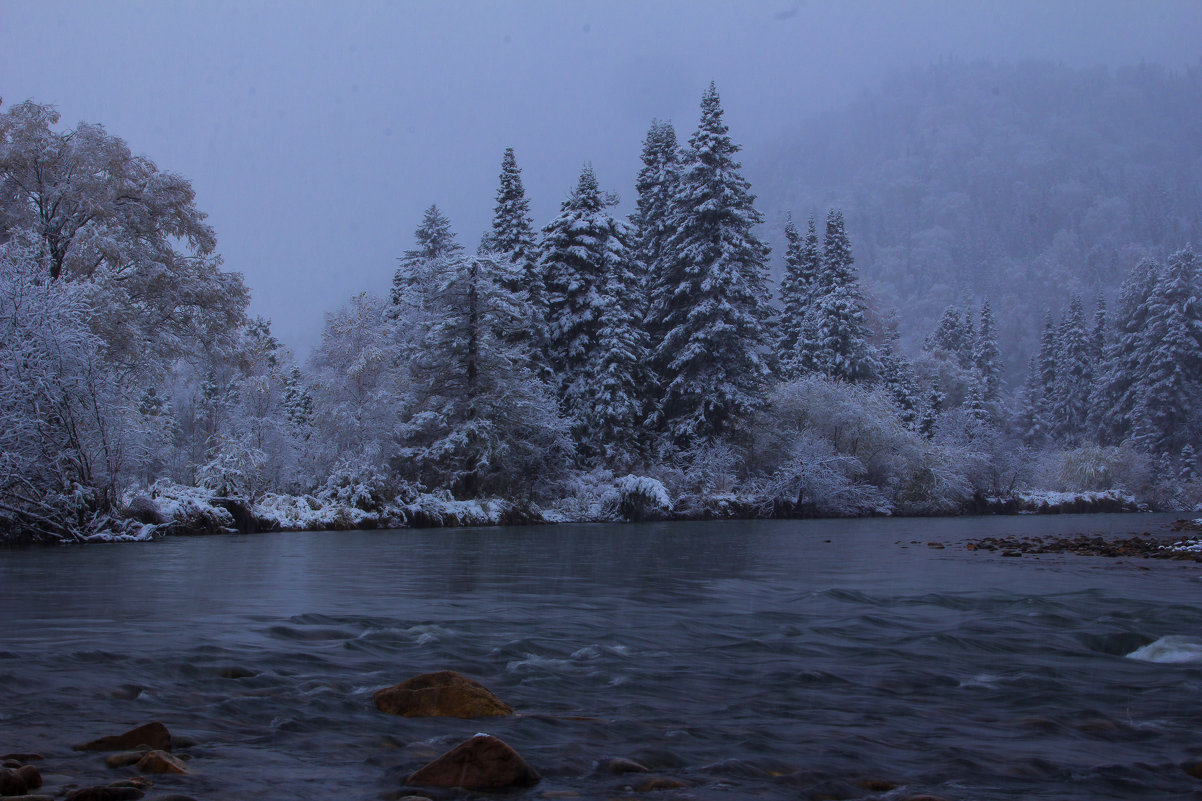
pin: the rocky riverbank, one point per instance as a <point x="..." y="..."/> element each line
<point x="1140" y="546"/>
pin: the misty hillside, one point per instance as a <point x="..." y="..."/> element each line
<point x="1022" y="185"/>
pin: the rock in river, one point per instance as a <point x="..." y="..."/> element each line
<point x="11" y="783"/>
<point x="152" y="735"/>
<point x="161" y="762"/>
<point x="445" y="694"/>
<point x="482" y="763"/>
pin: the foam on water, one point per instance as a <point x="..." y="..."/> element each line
<point x="1171" y="650"/>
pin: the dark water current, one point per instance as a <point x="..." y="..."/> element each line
<point x="748" y="659"/>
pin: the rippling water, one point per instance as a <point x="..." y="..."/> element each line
<point x="777" y="660"/>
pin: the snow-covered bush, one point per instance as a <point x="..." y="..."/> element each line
<point x="642" y="498"/>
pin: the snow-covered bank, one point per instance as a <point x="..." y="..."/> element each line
<point x="169" y="509"/>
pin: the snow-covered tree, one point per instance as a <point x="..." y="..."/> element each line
<point x="1120" y="383"/>
<point x="126" y="233"/>
<point x="842" y="349"/>
<point x="1074" y="377"/>
<point x="480" y="421"/>
<point x="656" y="185"/>
<point x="987" y="357"/>
<point x="434" y="240"/>
<point x="512" y="241"/>
<point x="711" y="359"/>
<point x="1169" y="406"/>
<point x="797" y="348"/>
<point x="953" y="338"/>
<point x="597" y="345"/>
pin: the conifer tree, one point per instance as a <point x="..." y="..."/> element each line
<point x="1074" y="376"/>
<point x="657" y="184"/>
<point x="1117" y="393"/>
<point x="435" y="240"/>
<point x="713" y="311"/>
<point x="796" y="347"/>
<point x="597" y="347"/>
<point x="1169" y="408"/>
<point x="987" y="357"/>
<point x="1047" y="360"/>
<point x="1031" y="424"/>
<point x="952" y="337"/>
<point x="842" y="347"/>
<point x="512" y="240"/>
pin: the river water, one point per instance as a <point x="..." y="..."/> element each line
<point x="768" y="659"/>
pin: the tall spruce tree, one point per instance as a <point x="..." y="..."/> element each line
<point x="1117" y="393"/>
<point x="712" y="357"/>
<point x="1169" y="407"/>
<point x="657" y="184"/>
<point x="512" y="240"/>
<point x="597" y="347"/>
<point x="842" y="349"/>
<point x="1074" y="376"/>
<point x="1049" y="349"/>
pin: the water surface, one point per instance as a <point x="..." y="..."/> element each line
<point x="767" y="659"/>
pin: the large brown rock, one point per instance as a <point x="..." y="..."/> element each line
<point x="152" y="735"/>
<point x="161" y="762"/>
<point x="482" y="763"/>
<point x="445" y="694"/>
<point x="11" y="783"/>
<point x="30" y="775"/>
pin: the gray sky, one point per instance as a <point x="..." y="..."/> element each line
<point x="316" y="133"/>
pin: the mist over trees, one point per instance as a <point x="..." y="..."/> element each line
<point x="964" y="182"/>
<point x="599" y="365"/>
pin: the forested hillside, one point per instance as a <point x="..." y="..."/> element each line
<point x="1017" y="185"/>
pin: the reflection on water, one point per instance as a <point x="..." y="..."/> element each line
<point x="748" y="659"/>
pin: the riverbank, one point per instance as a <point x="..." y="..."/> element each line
<point x="169" y="509"/>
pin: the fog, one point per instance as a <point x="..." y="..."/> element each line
<point x="315" y="134"/>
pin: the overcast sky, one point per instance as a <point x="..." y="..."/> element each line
<point x="316" y="133"/>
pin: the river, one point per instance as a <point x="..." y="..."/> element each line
<point x="765" y="659"/>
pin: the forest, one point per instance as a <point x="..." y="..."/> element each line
<point x="666" y="363"/>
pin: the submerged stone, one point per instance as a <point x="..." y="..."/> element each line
<point x="445" y="694"/>
<point x="152" y="735"/>
<point x="482" y="763"/>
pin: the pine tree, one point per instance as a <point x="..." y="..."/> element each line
<point x="1118" y="389"/>
<point x="1074" y="376"/>
<point x="597" y="346"/>
<point x="512" y="240"/>
<point x="842" y="347"/>
<point x="899" y="379"/>
<point x="714" y="313"/>
<point x="953" y="338"/>
<point x="797" y="346"/>
<point x="435" y="241"/>
<point x="1169" y="407"/>
<point x="481" y="421"/>
<point x="1047" y="361"/>
<point x="987" y="357"/>
<point x="1031" y="424"/>
<point x="657" y="183"/>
